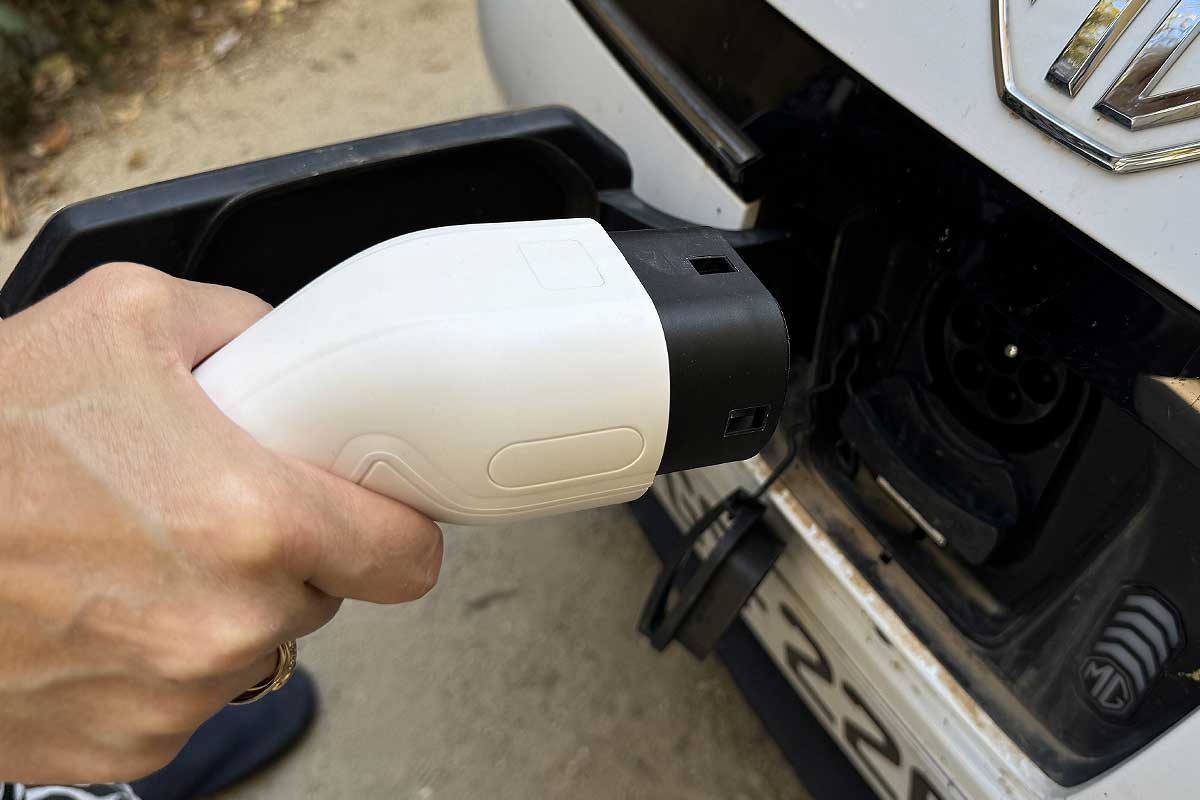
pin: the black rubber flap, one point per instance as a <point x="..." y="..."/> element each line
<point x="709" y="592"/>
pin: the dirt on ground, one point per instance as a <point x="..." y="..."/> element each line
<point x="70" y="69"/>
<point x="312" y="73"/>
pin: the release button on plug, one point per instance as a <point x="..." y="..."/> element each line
<point x="566" y="457"/>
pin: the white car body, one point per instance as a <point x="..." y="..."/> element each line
<point x="935" y="58"/>
<point x="559" y="60"/>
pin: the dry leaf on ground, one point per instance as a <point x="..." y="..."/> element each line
<point x="130" y="111"/>
<point x="54" y="77"/>
<point x="53" y="142"/>
<point x="10" y="221"/>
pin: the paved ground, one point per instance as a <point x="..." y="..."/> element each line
<point x="521" y="675"/>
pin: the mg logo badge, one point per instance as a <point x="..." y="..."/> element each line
<point x="1142" y="634"/>
<point x="1103" y="78"/>
<point x="1108" y="686"/>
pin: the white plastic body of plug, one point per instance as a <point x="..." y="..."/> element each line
<point x="480" y="374"/>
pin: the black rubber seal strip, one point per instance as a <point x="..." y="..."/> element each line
<point x="723" y="143"/>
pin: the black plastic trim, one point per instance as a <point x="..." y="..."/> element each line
<point x="169" y="225"/>
<point x="727" y="344"/>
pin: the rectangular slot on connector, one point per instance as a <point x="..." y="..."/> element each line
<point x="712" y="265"/>
<point x="746" y="420"/>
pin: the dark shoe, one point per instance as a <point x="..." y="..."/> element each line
<point x="236" y="743"/>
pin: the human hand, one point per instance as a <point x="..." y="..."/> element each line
<point x="153" y="554"/>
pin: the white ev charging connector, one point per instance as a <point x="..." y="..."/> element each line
<point x="489" y="373"/>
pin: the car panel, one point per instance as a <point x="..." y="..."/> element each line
<point x="561" y="59"/>
<point x="935" y="58"/>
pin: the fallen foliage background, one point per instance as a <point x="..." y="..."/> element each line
<point x="108" y="54"/>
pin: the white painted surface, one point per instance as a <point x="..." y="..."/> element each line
<point x="1166" y="770"/>
<point x="935" y="57"/>
<point x="544" y="53"/>
<point x="440" y="365"/>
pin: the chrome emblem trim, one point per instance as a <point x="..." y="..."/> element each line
<point x="1092" y="46"/>
<point x="1095" y="37"/>
<point x="1130" y="101"/>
